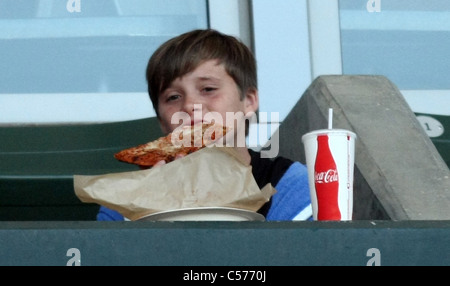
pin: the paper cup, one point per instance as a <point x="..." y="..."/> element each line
<point x="330" y="157"/>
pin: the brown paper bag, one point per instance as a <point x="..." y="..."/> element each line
<point x="210" y="177"/>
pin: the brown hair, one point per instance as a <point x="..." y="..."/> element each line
<point x="182" y="54"/>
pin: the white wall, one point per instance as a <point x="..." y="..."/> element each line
<point x="282" y="53"/>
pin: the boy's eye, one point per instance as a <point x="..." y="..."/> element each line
<point x="209" y="89"/>
<point x="172" y="97"/>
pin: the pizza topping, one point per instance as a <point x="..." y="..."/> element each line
<point x="182" y="141"/>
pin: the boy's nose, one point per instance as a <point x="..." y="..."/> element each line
<point x="190" y="106"/>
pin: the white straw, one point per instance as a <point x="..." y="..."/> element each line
<point x="330" y="118"/>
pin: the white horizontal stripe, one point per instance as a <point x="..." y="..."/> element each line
<point x="428" y="101"/>
<point x="73" y="107"/>
<point x="95" y="27"/>
<point x="395" y="20"/>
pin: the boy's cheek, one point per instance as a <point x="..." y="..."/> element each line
<point x="165" y="126"/>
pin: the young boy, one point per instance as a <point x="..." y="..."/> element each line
<point x="205" y="71"/>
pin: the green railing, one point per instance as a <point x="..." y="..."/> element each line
<point x="357" y="243"/>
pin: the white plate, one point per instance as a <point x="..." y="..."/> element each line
<point x="205" y="214"/>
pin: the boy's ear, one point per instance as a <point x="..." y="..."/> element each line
<point x="251" y="100"/>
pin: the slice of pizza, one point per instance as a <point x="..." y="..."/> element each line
<point x="182" y="141"/>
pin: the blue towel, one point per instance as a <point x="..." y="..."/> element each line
<point x="292" y="195"/>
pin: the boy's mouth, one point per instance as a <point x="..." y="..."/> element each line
<point x="199" y="122"/>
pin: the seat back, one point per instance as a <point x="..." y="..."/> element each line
<point x="438" y="129"/>
<point x="37" y="164"/>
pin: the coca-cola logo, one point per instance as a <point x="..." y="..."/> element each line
<point x="326" y="177"/>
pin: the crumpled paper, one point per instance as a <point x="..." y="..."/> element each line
<point x="210" y="177"/>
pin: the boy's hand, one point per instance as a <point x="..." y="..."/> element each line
<point x="162" y="162"/>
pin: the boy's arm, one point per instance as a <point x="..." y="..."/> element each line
<point x="105" y="214"/>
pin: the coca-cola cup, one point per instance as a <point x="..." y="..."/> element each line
<point x="330" y="157"/>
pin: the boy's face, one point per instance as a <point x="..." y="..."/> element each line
<point x="208" y="89"/>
